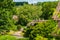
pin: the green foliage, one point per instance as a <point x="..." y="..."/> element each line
<point x="48" y="9"/>
<point x="58" y="32"/>
<point x="6" y="14"/>
<point x="6" y="4"/>
<point x="27" y="13"/>
<point x="40" y="38"/>
<point x="43" y="38"/>
<point x="7" y="37"/>
<point x="20" y="3"/>
<point x="58" y="15"/>
<point x="23" y="39"/>
<point x="43" y="29"/>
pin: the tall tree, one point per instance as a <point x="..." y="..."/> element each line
<point x="28" y="13"/>
<point x="6" y="13"/>
<point x="48" y="9"/>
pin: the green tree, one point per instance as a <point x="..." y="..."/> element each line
<point x="28" y="12"/>
<point x="6" y="13"/>
<point x="48" y="9"/>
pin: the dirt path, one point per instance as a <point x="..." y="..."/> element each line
<point x="18" y="34"/>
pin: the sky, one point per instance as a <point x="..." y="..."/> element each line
<point x="33" y="1"/>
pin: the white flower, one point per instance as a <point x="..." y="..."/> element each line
<point x="15" y="17"/>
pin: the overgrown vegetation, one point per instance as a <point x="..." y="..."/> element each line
<point x="44" y="29"/>
<point x="28" y="13"/>
<point x="9" y="37"/>
<point x="15" y="16"/>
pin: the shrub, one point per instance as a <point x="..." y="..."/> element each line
<point x="42" y="28"/>
<point x="7" y="37"/>
<point x="27" y="13"/>
<point x="6" y="13"/>
<point x="44" y="38"/>
<point x="40" y="38"/>
<point x="58" y="35"/>
<point x="23" y="39"/>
